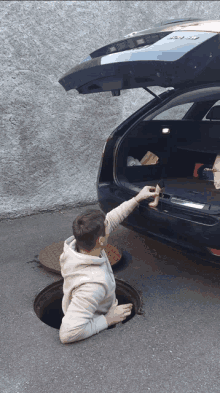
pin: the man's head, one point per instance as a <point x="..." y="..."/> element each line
<point x="89" y="230"/>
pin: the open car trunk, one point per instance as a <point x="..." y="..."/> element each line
<point x="188" y="144"/>
<point x="187" y="188"/>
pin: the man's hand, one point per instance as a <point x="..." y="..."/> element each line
<point x="146" y="192"/>
<point x="118" y="314"/>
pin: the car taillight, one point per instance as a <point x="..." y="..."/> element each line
<point x="214" y="251"/>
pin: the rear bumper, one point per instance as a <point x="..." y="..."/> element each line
<point x="191" y="237"/>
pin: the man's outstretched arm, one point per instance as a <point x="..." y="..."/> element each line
<point x="117" y="215"/>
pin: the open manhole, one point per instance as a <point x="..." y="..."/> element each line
<point x="48" y="303"/>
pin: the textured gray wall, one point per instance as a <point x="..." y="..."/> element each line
<point x="52" y="141"/>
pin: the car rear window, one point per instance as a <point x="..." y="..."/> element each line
<point x="174" y="113"/>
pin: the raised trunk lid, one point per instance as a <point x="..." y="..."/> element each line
<point x="166" y="58"/>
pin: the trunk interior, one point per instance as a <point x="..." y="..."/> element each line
<point x="188" y="143"/>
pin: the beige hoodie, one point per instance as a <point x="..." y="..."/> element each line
<point x="89" y="284"/>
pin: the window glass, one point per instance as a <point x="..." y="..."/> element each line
<point x="204" y="118"/>
<point x="174" y="113"/>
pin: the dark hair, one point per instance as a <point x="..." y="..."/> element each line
<point x="88" y="227"/>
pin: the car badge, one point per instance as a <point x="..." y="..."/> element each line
<point x="181" y="37"/>
<point x="131" y="34"/>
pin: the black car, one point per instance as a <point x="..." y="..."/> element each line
<point x="183" y="55"/>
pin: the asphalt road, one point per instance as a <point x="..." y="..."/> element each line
<point x="174" y="347"/>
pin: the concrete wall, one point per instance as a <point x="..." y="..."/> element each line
<point x="52" y="141"/>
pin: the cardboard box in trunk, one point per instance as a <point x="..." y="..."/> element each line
<point x="149" y="159"/>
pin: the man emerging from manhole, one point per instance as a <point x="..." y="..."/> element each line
<point x="89" y="302"/>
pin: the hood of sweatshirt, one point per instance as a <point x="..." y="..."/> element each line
<point x="71" y="258"/>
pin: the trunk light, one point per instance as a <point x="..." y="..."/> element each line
<point x="165" y="131"/>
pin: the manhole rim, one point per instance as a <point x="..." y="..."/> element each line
<point x="122" y="285"/>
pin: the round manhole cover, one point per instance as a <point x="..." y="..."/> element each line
<point x="49" y="256"/>
<point x="48" y="303"/>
